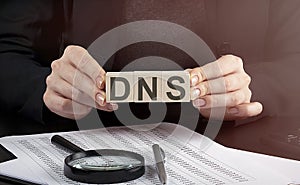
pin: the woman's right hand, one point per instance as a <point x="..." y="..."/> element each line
<point x="76" y="85"/>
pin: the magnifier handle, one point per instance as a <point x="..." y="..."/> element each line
<point x="64" y="143"/>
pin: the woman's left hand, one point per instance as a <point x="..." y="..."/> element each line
<point x="223" y="84"/>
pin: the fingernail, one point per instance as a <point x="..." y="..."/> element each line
<point x="100" y="82"/>
<point x="195" y="80"/>
<point x="100" y="99"/>
<point x="199" y="103"/>
<point x="113" y="106"/>
<point x="188" y="70"/>
<point x="233" y="111"/>
<point x="195" y="94"/>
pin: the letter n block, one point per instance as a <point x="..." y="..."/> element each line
<point x="119" y="86"/>
<point x="147" y="86"/>
<point x="176" y="86"/>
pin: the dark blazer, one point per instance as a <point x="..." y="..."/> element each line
<point x="33" y="33"/>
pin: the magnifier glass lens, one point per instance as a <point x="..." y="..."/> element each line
<point x="105" y="163"/>
<point x="104" y="166"/>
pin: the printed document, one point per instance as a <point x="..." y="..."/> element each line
<point x="190" y="157"/>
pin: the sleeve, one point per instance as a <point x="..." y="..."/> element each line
<point x="282" y="39"/>
<point x="30" y="38"/>
<point x="274" y="80"/>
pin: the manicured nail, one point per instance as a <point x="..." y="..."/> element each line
<point x="233" y="111"/>
<point x="195" y="80"/>
<point x="199" y="103"/>
<point x="113" y="106"/>
<point x="195" y="94"/>
<point x="188" y="70"/>
<point x="99" y="81"/>
<point x="100" y="99"/>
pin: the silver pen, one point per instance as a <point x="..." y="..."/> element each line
<point x="160" y="163"/>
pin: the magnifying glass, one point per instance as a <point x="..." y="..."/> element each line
<point x="104" y="166"/>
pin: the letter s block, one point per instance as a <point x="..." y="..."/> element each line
<point x="175" y="86"/>
<point x="119" y="86"/>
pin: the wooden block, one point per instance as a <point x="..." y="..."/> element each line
<point x="119" y="86"/>
<point x="147" y="86"/>
<point x="175" y="86"/>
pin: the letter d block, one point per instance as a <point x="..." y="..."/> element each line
<point x="175" y="86"/>
<point x="119" y="86"/>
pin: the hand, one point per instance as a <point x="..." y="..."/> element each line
<point x="223" y="84"/>
<point x="76" y="85"/>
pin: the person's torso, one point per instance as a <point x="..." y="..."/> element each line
<point x="88" y="21"/>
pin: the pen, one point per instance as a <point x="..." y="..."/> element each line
<point x="159" y="162"/>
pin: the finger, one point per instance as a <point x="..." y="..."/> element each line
<point x="66" y="90"/>
<point x="197" y="76"/>
<point x="245" y="110"/>
<point x="230" y="99"/>
<point x="81" y="82"/>
<point x="70" y="109"/>
<point x="109" y="107"/>
<point x="225" y="84"/>
<point x="217" y="113"/>
<point x="188" y="70"/>
<point x="82" y="60"/>
<point x="104" y="105"/>
<point x="223" y="66"/>
<point x="238" y="112"/>
<point x="101" y="98"/>
<point x="63" y="106"/>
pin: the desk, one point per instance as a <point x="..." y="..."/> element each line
<point x="277" y="136"/>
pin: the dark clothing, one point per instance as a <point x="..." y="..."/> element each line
<point x="30" y="38"/>
<point x="34" y="33"/>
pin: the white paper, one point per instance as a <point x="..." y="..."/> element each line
<point x="190" y="157"/>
